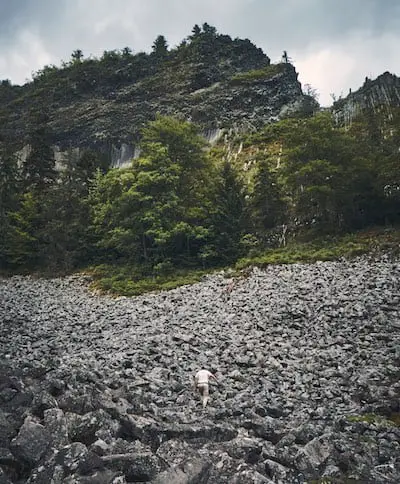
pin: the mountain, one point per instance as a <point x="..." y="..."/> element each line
<point x="215" y="81"/>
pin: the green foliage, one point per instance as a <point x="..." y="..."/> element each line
<point x="22" y="232"/>
<point x="325" y="248"/>
<point x="326" y="176"/>
<point x="160" y="48"/>
<point x="257" y="74"/>
<point x="129" y="280"/>
<point x="180" y="207"/>
<point x="266" y="205"/>
<point x="226" y="218"/>
<point x="9" y="199"/>
<point x="38" y="171"/>
<point x="156" y="210"/>
<point x="76" y="56"/>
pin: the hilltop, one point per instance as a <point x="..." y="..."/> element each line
<point x="210" y="79"/>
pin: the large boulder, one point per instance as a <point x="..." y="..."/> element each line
<point x="31" y="443"/>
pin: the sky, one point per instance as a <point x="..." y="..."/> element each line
<point x="334" y="44"/>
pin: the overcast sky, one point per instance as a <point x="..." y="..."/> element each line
<point x="334" y="44"/>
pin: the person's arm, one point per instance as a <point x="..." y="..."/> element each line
<point x="213" y="377"/>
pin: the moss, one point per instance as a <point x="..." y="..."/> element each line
<point x="372" y="418"/>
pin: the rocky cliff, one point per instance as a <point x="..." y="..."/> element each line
<point x="98" y="390"/>
<point x="210" y="79"/>
<point x="380" y="96"/>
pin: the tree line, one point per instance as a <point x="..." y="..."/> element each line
<point x="182" y="204"/>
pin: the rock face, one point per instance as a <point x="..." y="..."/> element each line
<point x="98" y="390"/>
<point x="217" y="82"/>
<point x="380" y="95"/>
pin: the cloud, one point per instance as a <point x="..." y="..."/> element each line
<point x="343" y="66"/>
<point x="334" y="43"/>
<point x="27" y="54"/>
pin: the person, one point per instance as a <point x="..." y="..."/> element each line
<point x="201" y="383"/>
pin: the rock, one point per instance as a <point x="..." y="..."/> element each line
<point x="63" y="464"/>
<point x="174" y="452"/>
<point x="31" y="442"/>
<point x="314" y="454"/>
<point x="43" y="401"/>
<point x="290" y="408"/>
<point x="216" y="433"/>
<point x="266" y="428"/>
<point x="8" y="428"/>
<point x="3" y="478"/>
<point x="189" y="472"/>
<point x="245" y="448"/>
<point x="135" y="467"/>
<point x="99" y="477"/>
<point x="250" y="476"/>
<point x="83" y="428"/>
<point x="279" y="473"/>
<point x="56" y="424"/>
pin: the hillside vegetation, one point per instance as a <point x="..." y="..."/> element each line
<point x="185" y="207"/>
<point x="209" y="78"/>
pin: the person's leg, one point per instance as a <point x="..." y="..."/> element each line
<point x="205" y="396"/>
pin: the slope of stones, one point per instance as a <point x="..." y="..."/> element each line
<point x="98" y="390"/>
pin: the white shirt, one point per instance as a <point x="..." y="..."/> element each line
<point x="202" y="376"/>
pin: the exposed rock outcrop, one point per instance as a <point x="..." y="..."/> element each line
<point x="380" y="95"/>
<point x="219" y="83"/>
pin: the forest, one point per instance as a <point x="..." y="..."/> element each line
<point x="183" y="205"/>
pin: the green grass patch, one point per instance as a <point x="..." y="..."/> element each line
<point x="123" y="280"/>
<point x="257" y="74"/>
<point x="305" y="253"/>
<point x="327" y="248"/>
<point x="372" y="418"/>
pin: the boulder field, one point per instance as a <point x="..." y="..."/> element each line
<point x="98" y="390"/>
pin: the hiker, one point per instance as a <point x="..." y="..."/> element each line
<point x="201" y="383"/>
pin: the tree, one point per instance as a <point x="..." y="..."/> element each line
<point x="196" y="31"/>
<point x="227" y="221"/>
<point x="285" y="58"/>
<point x="326" y="173"/>
<point x="86" y="167"/>
<point x="160" y="47"/>
<point x="9" y="190"/>
<point x="155" y="211"/>
<point x="126" y="52"/>
<point x="311" y="91"/>
<point x="209" y="30"/>
<point x="266" y="206"/>
<point x="38" y="170"/>
<point x="77" y="56"/>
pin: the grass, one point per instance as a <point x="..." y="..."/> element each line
<point x="128" y="281"/>
<point x="372" y="418"/>
<point x="257" y="74"/>
<point x="327" y="249"/>
<point x="125" y="280"/>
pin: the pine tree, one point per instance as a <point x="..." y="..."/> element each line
<point x="160" y="47"/>
<point x="266" y="207"/>
<point x="9" y="188"/>
<point x="38" y="171"/>
<point x="227" y="220"/>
